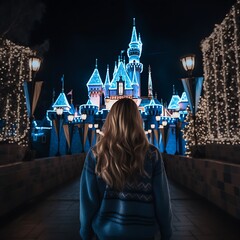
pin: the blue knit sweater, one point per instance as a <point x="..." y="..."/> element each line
<point x="135" y="213"/>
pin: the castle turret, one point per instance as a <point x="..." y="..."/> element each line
<point x="61" y="101"/>
<point x="135" y="84"/>
<point x="95" y="87"/>
<point x="115" y="69"/>
<point x="106" y="84"/>
<point x="134" y="53"/>
<point x="173" y="105"/>
<point x="150" y="88"/>
<point x="121" y="84"/>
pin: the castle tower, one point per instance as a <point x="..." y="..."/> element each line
<point x="95" y="87"/>
<point x="135" y="84"/>
<point x="150" y="88"/>
<point x="106" y="84"/>
<point x="173" y="105"/>
<point x="115" y="69"/>
<point x="134" y="53"/>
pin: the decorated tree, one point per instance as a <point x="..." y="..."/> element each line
<point x="221" y="60"/>
<point x="17" y="19"/>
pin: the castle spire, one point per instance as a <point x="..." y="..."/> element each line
<point x="53" y="96"/>
<point x="62" y="80"/>
<point x="119" y="60"/>
<point x="134" y="53"/>
<point x="107" y="79"/>
<point x="107" y="83"/>
<point x="134" y="38"/>
<point x="96" y="63"/>
<point x="115" y="68"/>
<point x="150" y="88"/>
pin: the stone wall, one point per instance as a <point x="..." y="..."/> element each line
<point x="223" y="152"/>
<point x="22" y="181"/>
<point x="217" y="181"/>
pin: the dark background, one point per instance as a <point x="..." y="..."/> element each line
<point x="81" y="31"/>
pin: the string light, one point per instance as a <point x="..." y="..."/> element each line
<point x="218" y="116"/>
<point x="14" y="70"/>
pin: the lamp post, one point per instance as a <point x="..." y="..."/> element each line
<point x="165" y="128"/>
<point x="188" y="63"/>
<point x="158" y="118"/>
<point x="149" y="135"/>
<point x="32" y="92"/>
<point x="83" y="117"/>
<point x="176" y="115"/>
<point x="192" y="87"/>
<point x="152" y="126"/>
<point x="70" y="118"/>
<point x="35" y="63"/>
<point x="59" y="112"/>
<point x="96" y="125"/>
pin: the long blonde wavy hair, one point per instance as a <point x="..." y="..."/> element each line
<point x="121" y="150"/>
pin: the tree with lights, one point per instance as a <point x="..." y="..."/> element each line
<point x="17" y="19"/>
<point x="221" y="99"/>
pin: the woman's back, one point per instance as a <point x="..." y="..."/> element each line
<point x="124" y="191"/>
<point x="133" y="213"/>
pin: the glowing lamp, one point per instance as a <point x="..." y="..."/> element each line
<point x="70" y="117"/>
<point x="90" y="125"/>
<point x="95" y="125"/>
<point x="59" y="111"/>
<point x="152" y="126"/>
<point x="164" y="123"/>
<point x="158" y="118"/>
<point x="188" y="63"/>
<point x="34" y="63"/>
<point x="84" y="116"/>
<point x="175" y="114"/>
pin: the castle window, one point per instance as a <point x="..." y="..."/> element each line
<point x="120" y="87"/>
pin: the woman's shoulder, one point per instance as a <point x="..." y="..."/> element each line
<point x="90" y="156"/>
<point x="153" y="149"/>
<point x="153" y="153"/>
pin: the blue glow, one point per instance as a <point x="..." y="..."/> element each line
<point x="61" y="102"/>
<point x="95" y="79"/>
<point x="89" y="102"/>
<point x="135" y="46"/>
<point x="115" y="69"/>
<point x="121" y="71"/>
<point x="107" y="79"/>
<point x="135" y="80"/>
<point x="184" y="97"/>
<point x="173" y="105"/>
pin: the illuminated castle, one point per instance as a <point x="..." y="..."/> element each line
<point x="125" y="82"/>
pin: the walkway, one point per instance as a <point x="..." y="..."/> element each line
<point x="55" y="217"/>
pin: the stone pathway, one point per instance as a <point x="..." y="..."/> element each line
<point x="55" y="216"/>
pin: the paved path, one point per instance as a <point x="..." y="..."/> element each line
<point x="55" y="217"/>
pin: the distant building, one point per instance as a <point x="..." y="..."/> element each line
<point x="124" y="82"/>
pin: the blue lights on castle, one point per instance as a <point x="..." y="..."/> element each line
<point x="74" y="129"/>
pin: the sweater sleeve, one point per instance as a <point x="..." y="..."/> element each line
<point x="162" y="198"/>
<point x="89" y="196"/>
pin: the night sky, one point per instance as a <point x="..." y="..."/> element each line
<point x="81" y="31"/>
